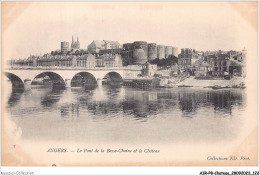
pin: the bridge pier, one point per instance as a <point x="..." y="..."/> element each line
<point x="27" y="84"/>
<point x="62" y="78"/>
<point x="99" y="82"/>
<point x="68" y="82"/>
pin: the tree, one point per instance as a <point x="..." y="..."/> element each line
<point x="156" y="61"/>
<point x="77" y="52"/>
<point x="172" y="60"/>
<point x="57" y="52"/>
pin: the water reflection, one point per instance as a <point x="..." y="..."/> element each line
<point x="139" y="103"/>
<point x="187" y="101"/>
<point x="90" y="107"/>
<point x="15" y="97"/>
<point x="142" y="104"/>
<point x="51" y="97"/>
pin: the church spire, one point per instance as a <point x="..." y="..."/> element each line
<point x="77" y="39"/>
<point x="72" y="40"/>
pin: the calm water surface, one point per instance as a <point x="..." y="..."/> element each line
<point x="122" y="114"/>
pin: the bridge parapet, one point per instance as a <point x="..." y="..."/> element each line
<point x="65" y="75"/>
<point x="71" y="68"/>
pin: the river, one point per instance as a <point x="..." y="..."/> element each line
<point x="123" y="114"/>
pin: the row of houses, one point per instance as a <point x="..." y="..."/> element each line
<point x="86" y="60"/>
<point x="216" y="64"/>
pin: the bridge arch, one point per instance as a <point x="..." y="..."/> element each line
<point x="17" y="82"/>
<point x="83" y="79"/>
<point x="113" y="78"/>
<point x="57" y="80"/>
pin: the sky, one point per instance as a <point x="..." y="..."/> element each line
<point x="199" y="25"/>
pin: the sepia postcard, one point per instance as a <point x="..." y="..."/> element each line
<point x="129" y="83"/>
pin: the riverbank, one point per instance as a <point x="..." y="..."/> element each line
<point x="236" y="82"/>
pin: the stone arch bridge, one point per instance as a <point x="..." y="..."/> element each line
<point x="21" y="78"/>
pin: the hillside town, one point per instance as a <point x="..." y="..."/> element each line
<point x="187" y="67"/>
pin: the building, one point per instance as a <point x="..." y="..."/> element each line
<point x="76" y="44"/>
<point x="46" y="61"/>
<point x="61" y="61"/>
<point x="240" y="56"/>
<point x="111" y="51"/>
<point x="67" y="61"/>
<point x="200" y="54"/>
<point x="152" y="51"/>
<point x="98" y="45"/>
<point x="56" y="61"/>
<point x="160" y="51"/>
<point x="31" y="61"/>
<point x="99" y="62"/>
<point x="128" y="46"/>
<point x="201" y="68"/>
<point x="87" y="61"/>
<point x="175" y="51"/>
<point x="112" y="60"/>
<point x="186" y="58"/>
<point x="209" y="58"/>
<point x="140" y="52"/>
<point x="237" y="68"/>
<point x="112" y="44"/>
<point x="168" y="51"/>
<point x="149" y="69"/>
<point x="220" y="65"/>
<point x="109" y="60"/>
<point x="65" y="47"/>
<point x="127" y="54"/>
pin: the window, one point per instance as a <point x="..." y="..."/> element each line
<point x="201" y="68"/>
